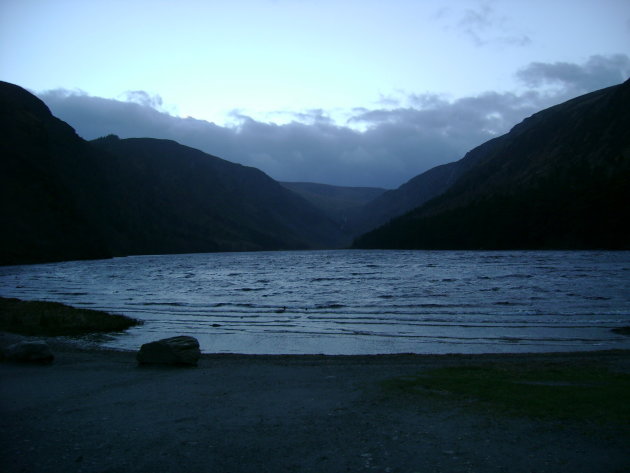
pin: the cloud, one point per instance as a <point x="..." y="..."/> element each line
<point x="597" y="72"/>
<point x="383" y="146"/>
<point x="483" y="25"/>
<point x="143" y="98"/>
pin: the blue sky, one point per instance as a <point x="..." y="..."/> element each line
<point x="344" y="92"/>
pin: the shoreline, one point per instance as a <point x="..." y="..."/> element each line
<point x="63" y="344"/>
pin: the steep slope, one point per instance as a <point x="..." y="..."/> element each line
<point x="64" y="198"/>
<point x="46" y="182"/>
<point x="414" y="192"/>
<point x="396" y="202"/>
<point x="338" y="202"/>
<point x="559" y="179"/>
<point x="183" y="200"/>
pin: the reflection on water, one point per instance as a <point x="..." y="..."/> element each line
<point x="351" y="301"/>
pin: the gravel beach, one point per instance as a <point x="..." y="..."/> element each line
<point x="98" y="411"/>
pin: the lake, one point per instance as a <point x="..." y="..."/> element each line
<point x="350" y="301"/>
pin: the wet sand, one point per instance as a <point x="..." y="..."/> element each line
<point x="98" y="411"/>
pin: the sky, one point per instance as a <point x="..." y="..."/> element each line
<point x="344" y="92"/>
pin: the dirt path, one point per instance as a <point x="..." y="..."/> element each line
<point x="100" y="412"/>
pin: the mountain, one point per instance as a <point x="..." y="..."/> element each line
<point x="338" y="202"/>
<point x="396" y="202"/>
<point x="184" y="200"/>
<point x="45" y="215"/>
<point x="65" y="198"/>
<point x="414" y="193"/>
<point x="559" y="179"/>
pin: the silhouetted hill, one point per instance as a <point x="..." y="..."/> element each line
<point x="559" y="179"/>
<point x="179" y="199"/>
<point x="413" y="193"/>
<point x="64" y="198"/>
<point x="396" y="202"/>
<point x="338" y="202"/>
<point x="47" y="180"/>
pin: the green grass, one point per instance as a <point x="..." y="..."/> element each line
<point x="557" y="391"/>
<point x="53" y="319"/>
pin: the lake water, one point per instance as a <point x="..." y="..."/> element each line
<point x="350" y="302"/>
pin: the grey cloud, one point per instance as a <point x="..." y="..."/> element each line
<point x="143" y="98"/>
<point x="446" y="126"/>
<point x="315" y="116"/>
<point x="484" y="26"/>
<point x="477" y="20"/>
<point x="390" y="146"/>
<point x="385" y="154"/>
<point x="598" y="72"/>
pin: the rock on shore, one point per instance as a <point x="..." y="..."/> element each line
<point x="29" y="351"/>
<point x="180" y="350"/>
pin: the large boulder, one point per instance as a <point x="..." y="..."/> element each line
<point x="34" y="352"/>
<point x="180" y="350"/>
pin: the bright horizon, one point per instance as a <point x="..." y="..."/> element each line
<point x="347" y="93"/>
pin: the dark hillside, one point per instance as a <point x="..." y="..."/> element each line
<point x="559" y="179"/>
<point x="47" y="182"/>
<point x="180" y="199"/>
<point x="396" y="202"/>
<point x="414" y="192"/>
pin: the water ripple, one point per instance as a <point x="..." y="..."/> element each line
<point x="351" y="301"/>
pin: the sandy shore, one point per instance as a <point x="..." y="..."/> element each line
<point x="97" y="411"/>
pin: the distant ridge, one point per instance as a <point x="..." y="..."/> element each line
<point x="559" y="179"/>
<point x="338" y="202"/>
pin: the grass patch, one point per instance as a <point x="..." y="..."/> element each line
<point x="552" y="390"/>
<point x="54" y="318"/>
